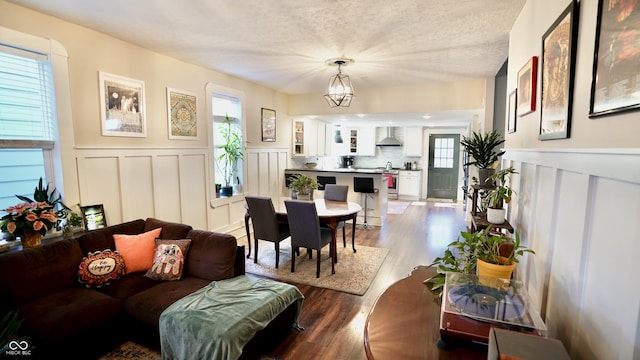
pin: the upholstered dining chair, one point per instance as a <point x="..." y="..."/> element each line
<point x="266" y="226"/>
<point x="338" y="193"/>
<point x="306" y="232"/>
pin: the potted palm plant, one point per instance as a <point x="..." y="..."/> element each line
<point x="500" y="195"/>
<point x="482" y="149"/>
<point x="303" y="186"/>
<point x="229" y="157"/>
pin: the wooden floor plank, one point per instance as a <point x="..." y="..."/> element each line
<point x="334" y="321"/>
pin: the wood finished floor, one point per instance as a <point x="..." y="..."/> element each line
<point x="334" y="321"/>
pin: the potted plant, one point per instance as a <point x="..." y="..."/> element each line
<point x="497" y="254"/>
<point x="229" y="157"/>
<point x="500" y="195"/>
<point x="482" y="149"/>
<point x="303" y="186"/>
<point x="485" y="253"/>
<point x="33" y="218"/>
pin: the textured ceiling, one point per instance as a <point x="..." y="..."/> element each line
<point x="283" y="44"/>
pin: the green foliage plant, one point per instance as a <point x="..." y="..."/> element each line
<point x="231" y="152"/>
<point x="482" y="148"/>
<point x="302" y="184"/>
<point x="502" y="192"/>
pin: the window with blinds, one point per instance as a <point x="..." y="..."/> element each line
<point x="27" y="121"/>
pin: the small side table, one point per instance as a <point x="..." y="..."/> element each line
<point x="479" y="222"/>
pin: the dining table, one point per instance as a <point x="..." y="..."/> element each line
<point x="330" y="214"/>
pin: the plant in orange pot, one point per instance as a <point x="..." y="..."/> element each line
<point x="497" y="254"/>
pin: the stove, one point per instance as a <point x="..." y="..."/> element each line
<point x="392" y="182"/>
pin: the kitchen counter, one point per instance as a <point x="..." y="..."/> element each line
<point x="377" y="203"/>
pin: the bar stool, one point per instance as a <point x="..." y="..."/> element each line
<point x="364" y="185"/>
<point x="324" y="180"/>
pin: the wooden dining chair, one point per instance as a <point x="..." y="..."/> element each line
<point x="306" y="232"/>
<point x="338" y="193"/>
<point x="266" y="226"/>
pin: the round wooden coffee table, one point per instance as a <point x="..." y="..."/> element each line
<point x="404" y="323"/>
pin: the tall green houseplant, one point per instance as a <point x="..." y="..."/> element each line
<point x="481" y="148"/>
<point x="229" y="157"/>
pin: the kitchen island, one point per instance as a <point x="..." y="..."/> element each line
<point x="377" y="202"/>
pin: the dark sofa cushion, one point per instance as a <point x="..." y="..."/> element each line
<point x="101" y="239"/>
<point x="211" y="256"/>
<point x="36" y="272"/>
<point x="128" y="285"/>
<point x="147" y="305"/>
<point x="64" y="313"/>
<point x="170" y="230"/>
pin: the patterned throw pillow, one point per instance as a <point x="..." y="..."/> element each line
<point x="100" y="268"/>
<point x="169" y="258"/>
<point x="137" y="250"/>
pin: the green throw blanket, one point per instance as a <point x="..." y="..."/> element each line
<point x="217" y="321"/>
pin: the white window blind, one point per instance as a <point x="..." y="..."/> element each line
<point x="27" y="121"/>
<point x="27" y="96"/>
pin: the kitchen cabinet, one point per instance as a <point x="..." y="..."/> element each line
<point x="356" y="141"/>
<point x="412" y="141"/>
<point x="308" y="138"/>
<point x="409" y="184"/>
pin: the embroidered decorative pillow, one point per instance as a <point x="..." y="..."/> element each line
<point x="100" y="268"/>
<point x="168" y="261"/>
<point x="137" y="250"/>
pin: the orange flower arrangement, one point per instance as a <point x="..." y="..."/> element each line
<point x="37" y="216"/>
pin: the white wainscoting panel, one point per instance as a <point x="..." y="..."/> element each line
<point x="579" y="210"/>
<point x="168" y="184"/>
<point x="265" y="167"/>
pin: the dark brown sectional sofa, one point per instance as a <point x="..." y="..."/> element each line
<point x="62" y="317"/>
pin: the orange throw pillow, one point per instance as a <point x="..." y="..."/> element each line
<point x="137" y="250"/>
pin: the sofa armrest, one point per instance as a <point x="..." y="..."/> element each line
<point x="212" y="255"/>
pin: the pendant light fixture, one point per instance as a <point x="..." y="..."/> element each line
<point x="337" y="138"/>
<point x="340" y="91"/>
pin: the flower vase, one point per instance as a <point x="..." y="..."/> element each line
<point x="30" y="239"/>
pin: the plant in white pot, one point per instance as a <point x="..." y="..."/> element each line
<point x="481" y="148"/>
<point x="500" y="195"/>
<point x="229" y="157"/>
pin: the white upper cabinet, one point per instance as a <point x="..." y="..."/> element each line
<point x="412" y="141"/>
<point x="308" y="138"/>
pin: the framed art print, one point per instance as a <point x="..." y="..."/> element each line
<point x="558" y="54"/>
<point x="615" y="85"/>
<point x="122" y="106"/>
<point x="268" y="125"/>
<point x="182" y="114"/>
<point x="527" y="80"/>
<point x="512" y="111"/>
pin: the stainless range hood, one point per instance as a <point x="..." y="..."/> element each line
<point x="390" y="140"/>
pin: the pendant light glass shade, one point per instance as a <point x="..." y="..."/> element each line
<point x="340" y="91"/>
<point x="338" y="138"/>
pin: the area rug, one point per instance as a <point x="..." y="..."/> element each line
<point x="448" y="205"/>
<point x="132" y="350"/>
<point x="354" y="271"/>
<point x="397" y="207"/>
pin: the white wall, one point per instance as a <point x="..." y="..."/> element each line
<point x="577" y="204"/>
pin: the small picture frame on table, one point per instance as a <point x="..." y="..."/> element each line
<point x="93" y="217"/>
<point x="268" y="117"/>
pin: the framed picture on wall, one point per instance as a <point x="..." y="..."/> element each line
<point x="615" y="85"/>
<point x="512" y="108"/>
<point x="93" y="217"/>
<point x="268" y="125"/>
<point x="182" y="114"/>
<point x="527" y="81"/>
<point x="122" y="106"/>
<point x="558" y="54"/>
